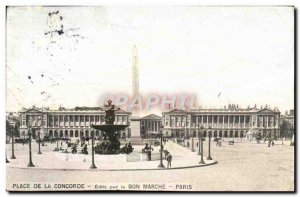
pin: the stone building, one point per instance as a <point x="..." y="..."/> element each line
<point x="150" y="123"/>
<point x="227" y="122"/>
<point x="287" y="124"/>
<point x="67" y="123"/>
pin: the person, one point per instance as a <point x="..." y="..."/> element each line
<point x="84" y="150"/>
<point x="124" y="149"/>
<point x="74" y="149"/>
<point x="273" y="142"/>
<point x="269" y="142"/>
<point x="130" y="149"/>
<point x="166" y="152"/>
<point x="146" y="148"/>
<point x="169" y="159"/>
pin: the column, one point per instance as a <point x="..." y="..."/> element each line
<point x="233" y="121"/>
<point x="207" y="121"/>
<point x="223" y="123"/>
<point x="245" y="121"/>
<point x="228" y="119"/>
<point x="202" y="120"/>
<point x="267" y="121"/>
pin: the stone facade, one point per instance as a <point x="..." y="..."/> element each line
<point x="66" y="123"/>
<point x="150" y="123"/>
<point x="230" y="122"/>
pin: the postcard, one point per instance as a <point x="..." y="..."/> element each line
<point x="157" y="98"/>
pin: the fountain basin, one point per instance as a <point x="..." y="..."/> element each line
<point x="109" y="127"/>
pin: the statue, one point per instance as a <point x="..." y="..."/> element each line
<point x="110" y="113"/>
<point x="110" y="144"/>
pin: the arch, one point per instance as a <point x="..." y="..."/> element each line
<point x="236" y="134"/>
<point x="66" y="133"/>
<point x="51" y="133"/>
<point x="76" y="133"/>
<point x="231" y="134"/>
<point x="220" y="134"/>
<point x="55" y="133"/>
<point x="225" y="134"/>
<point x="71" y="133"/>
<point x="242" y="134"/>
<point x="204" y="134"/>
<point x="194" y="133"/>
<point x="81" y="133"/>
<point x="215" y="133"/>
<point x="264" y="133"/>
<point x="87" y="133"/>
<point x="97" y="133"/>
<point x="61" y="133"/>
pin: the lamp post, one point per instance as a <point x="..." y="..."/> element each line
<point x="39" y="133"/>
<point x="193" y="150"/>
<point x="12" y="129"/>
<point x="199" y="139"/>
<point x="30" y="164"/>
<point x="93" y="166"/>
<point x="56" y="149"/>
<point x="209" y="138"/>
<point x="6" y="158"/>
<point x="161" y="165"/>
<point x="183" y="138"/>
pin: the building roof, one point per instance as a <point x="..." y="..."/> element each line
<point x="236" y="110"/>
<point x="76" y="109"/>
<point x="152" y="117"/>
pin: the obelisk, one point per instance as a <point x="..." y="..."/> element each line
<point x="135" y="137"/>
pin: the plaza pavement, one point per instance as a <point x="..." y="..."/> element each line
<point x="243" y="166"/>
<point x="181" y="158"/>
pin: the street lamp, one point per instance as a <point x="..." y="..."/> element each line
<point x="161" y="165"/>
<point x="93" y="166"/>
<point x="12" y="130"/>
<point x="56" y="149"/>
<point x="39" y="133"/>
<point x="209" y="138"/>
<point x="199" y="139"/>
<point x="193" y="150"/>
<point x="30" y="164"/>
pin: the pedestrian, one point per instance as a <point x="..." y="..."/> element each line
<point x="169" y="159"/>
<point x="269" y="142"/>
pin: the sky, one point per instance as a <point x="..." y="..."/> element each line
<point x="238" y="55"/>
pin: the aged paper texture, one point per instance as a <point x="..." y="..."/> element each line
<point x="167" y="98"/>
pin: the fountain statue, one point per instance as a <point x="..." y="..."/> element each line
<point x="110" y="143"/>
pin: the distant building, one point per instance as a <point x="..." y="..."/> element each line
<point x="150" y="124"/>
<point x="228" y="122"/>
<point x="67" y="123"/>
<point x="287" y="124"/>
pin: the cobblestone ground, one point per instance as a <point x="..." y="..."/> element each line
<point x="243" y="166"/>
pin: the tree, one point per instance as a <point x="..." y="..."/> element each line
<point x="285" y="126"/>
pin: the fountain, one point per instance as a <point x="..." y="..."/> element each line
<point x="110" y="144"/>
